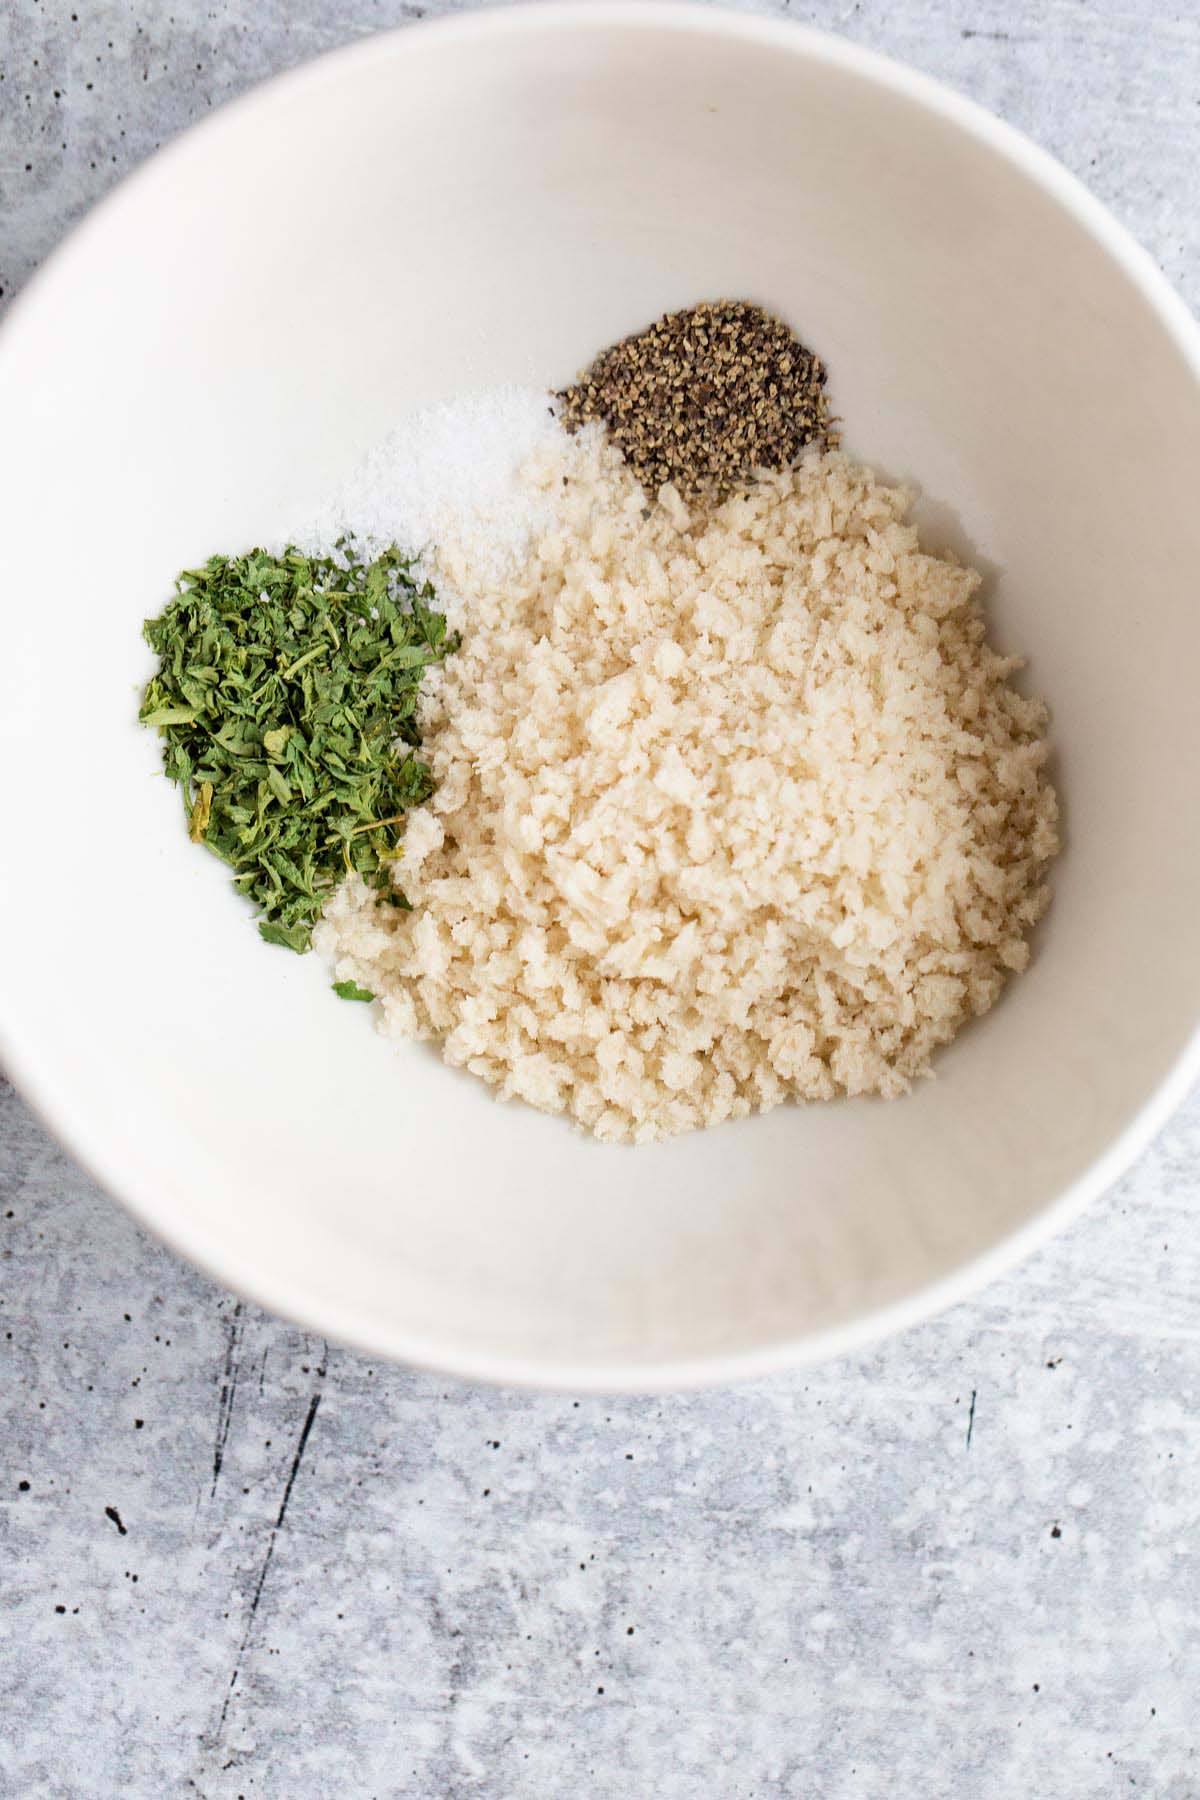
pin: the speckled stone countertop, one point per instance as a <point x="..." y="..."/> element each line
<point x="235" y="1560"/>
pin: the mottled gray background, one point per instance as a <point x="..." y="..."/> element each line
<point x="235" y="1560"/>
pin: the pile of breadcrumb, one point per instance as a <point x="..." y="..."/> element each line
<point x="730" y="809"/>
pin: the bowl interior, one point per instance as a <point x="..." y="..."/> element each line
<point x="493" y="201"/>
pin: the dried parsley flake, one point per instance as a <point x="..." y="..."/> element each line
<point x="350" y="990"/>
<point x="286" y="697"/>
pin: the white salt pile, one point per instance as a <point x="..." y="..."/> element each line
<point x="448" y="472"/>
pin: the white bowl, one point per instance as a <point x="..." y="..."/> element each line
<point x="491" y="200"/>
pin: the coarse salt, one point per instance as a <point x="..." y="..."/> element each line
<point x="449" y="472"/>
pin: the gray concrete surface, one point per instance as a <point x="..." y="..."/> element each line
<point x="237" y="1561"/>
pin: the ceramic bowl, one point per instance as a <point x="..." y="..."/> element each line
<point x="493" y="199"/>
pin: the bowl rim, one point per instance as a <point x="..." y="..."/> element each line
<point x="32" y="1072"/>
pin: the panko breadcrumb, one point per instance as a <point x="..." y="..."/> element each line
<point x="731" y="809"/>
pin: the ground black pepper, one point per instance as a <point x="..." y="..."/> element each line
<point x="705" y="397"/>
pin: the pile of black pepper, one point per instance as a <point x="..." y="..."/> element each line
<point x="705" y="397"/>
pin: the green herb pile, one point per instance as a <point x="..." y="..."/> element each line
<point x="286" y="696"/>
